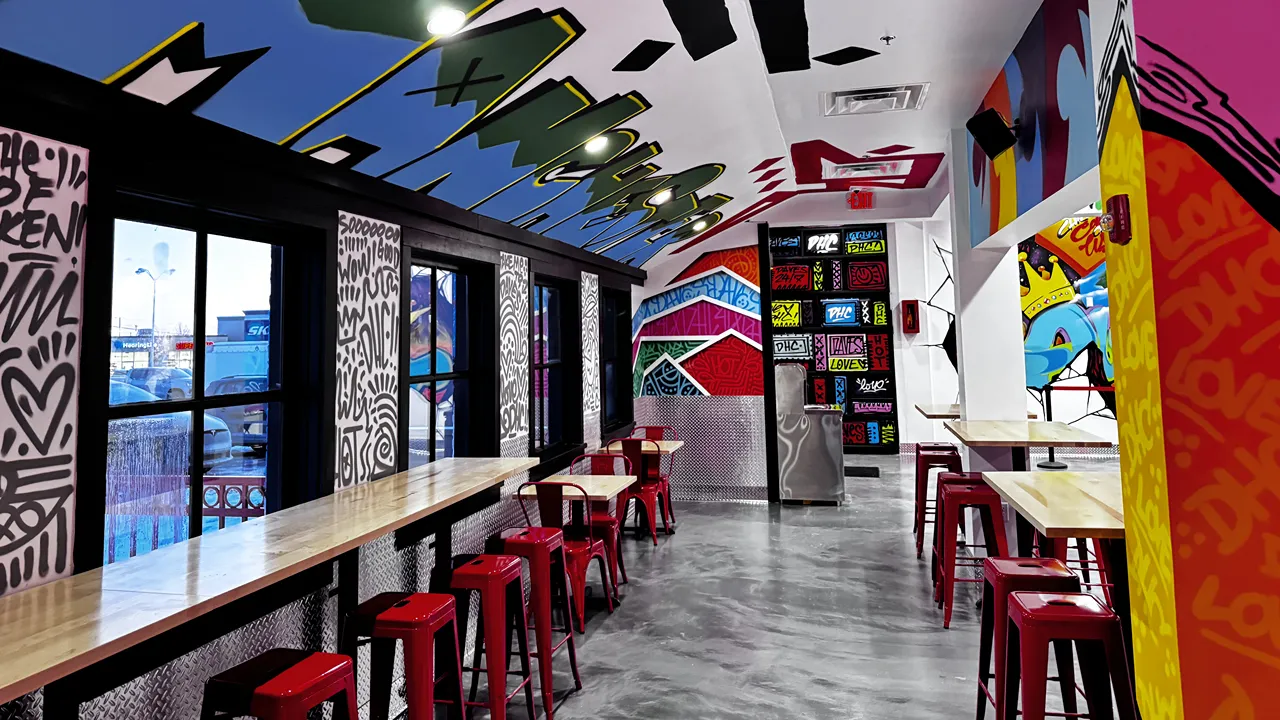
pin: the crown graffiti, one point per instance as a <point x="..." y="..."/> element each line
<point x="1044" y="288"/>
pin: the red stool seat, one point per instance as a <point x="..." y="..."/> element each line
<point x="485" y="571"/>
<point x="1037" y="619"/>
<point x="414" y="619"/>
<point x="953" y="496"/>
<point x="502" y="613"/>
<point x="282" y="684"/>
<point x="929" y="456"/>
<point x="543" y="549"/>
<point x="1003" y="576"/>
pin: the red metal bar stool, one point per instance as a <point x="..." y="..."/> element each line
<point x="581" y="546"/>
<point x="660" y="432"/>
<point x="282" y="684"/>
<point x="1037" y="619"/>
<point x="928" y="457"/>
<point x="609" y="526"/>
<point x="646" y="491"/>
<point x="954" y="497"/>
<point x="502" y="612"/>
<point x="543" y="549"/>
<point x="1007" y="575"/>
<point x="946" y="478"/>
<point x="414" y="619"/>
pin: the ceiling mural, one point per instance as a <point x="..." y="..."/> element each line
<point x="620" y="129"/>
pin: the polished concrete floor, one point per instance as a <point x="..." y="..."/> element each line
<point x="751" y="611"/>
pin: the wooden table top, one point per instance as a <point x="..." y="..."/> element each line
<point x="943" y="411"/>
<point x="53" y="630"/>
<point x="1021" y="433"/>
<point x="665" y="447"/>
<point x="600" y="488"/>
<point x="1065" y="504"/>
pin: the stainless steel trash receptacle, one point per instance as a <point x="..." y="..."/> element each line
<point x="810" y="445"/>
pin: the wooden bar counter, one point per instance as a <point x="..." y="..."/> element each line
<point x="53" y="630"/>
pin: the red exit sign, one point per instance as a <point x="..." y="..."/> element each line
<point x="861" y="200"/>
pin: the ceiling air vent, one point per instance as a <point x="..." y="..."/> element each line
<point x="866" y="169"/>
<point x="890" y="98"/>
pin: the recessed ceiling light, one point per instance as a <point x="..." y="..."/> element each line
<point x="445" y="21"/>
<point x="661" y="197"/>
<point x="597" y="144"/>
<point x="700" y="226"/>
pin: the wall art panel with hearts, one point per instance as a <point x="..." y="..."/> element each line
<point x="45" y="183"/>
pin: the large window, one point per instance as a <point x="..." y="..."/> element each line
<point x="439" y="363"/>
<point x="195" y="397"/>
<point x="547" y="428"/>
<point x="615" y="356"/>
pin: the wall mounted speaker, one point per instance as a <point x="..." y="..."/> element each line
<point x="991" y="132"/>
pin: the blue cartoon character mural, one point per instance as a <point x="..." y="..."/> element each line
<point x="1065" y="310"/>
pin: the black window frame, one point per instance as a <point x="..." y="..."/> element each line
<point x="619" y="354"/>
<point x="282" y="400"/>
<point x="470" y="374"/>
<point x="569" y="394"/>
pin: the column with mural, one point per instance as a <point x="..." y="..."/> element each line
<point x="1189" y="133"/>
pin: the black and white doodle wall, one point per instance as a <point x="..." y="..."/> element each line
<point x="368" y="348"/>
<point x="590" y="301"/>
<point x="43" y="194"/>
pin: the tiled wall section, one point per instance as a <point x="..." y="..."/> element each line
<point x="724" y="453"/>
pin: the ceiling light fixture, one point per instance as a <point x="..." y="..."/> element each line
<point x="597" y="144"/>
<point x="700" y="226"/>
<point x="660" y="197"/>
<point x="445" y="21"/>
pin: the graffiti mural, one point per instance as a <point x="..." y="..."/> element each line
<point x="368" y="374"/>
<point x="1046" y="87"/>
<point x="40" y="300"/>
<point x="513" y="348"/>
<point x="1066" y="322"/>
<point x="701" y="334"/>
<point x="1209" y="137"/>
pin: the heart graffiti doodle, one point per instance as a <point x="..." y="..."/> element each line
<point x="31" y="405"/>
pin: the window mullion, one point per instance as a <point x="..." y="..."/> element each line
<point x="431" y="385"/>
<point x="196" y="477"/>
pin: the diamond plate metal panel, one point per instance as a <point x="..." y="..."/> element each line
<point x="724" y="453"/>
<point x="173" y="692"/>
<point x="27" y="707"/>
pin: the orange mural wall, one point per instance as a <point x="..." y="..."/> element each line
<point x="1216" y="272"/>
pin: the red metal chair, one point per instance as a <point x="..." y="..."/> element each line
<point x="655" y="469"/>
<point x="543" y="549"/>
<point x="1038" y="619"/>
<point x="646" y="491"/>
<point x="955" y="496"/>
<point x="502" y="613"/>
<point x="414" y="619"/>
<point x="282" y="684"/>
<point x="1003" y="576"/>
<point x="580" y="543"/>
<point x="608" y="525"/>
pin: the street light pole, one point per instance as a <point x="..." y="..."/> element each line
<point x="151" y="347"/>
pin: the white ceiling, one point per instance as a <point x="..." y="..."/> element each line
<point x="956" y="46"/>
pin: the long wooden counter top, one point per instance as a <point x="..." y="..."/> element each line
<point x="51" y="631"/>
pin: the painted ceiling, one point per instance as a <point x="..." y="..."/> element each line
<point x="716" y="101"/>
